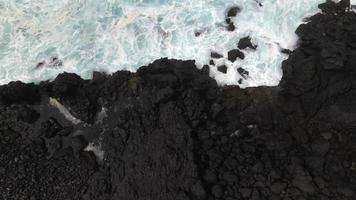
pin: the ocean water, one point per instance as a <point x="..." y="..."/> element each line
<point x="111" y="35"/>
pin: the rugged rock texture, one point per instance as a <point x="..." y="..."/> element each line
<point x="246" y="43"/>
<point x="234" y="54"/>
<point x="169" y="132"/>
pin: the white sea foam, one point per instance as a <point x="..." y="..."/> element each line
<point x="96" y="149"/>
<point x="111" y="35"/>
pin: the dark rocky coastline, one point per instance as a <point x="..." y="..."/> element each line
<point x="169" y="132"/>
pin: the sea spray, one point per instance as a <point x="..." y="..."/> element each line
<point x="111" y="35"/>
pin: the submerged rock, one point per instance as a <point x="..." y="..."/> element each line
<point x="215" y="55"/>
<point x="233" y="11"/>
<point x="230" y="27"/>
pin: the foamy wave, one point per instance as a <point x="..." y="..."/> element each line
<point x="111" y="35"/>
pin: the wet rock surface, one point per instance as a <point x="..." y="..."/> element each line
<point x="234" y="54"/>
<point x="245" y="42"/>
<point x="169" y="132"/>
<point x="222" y="69"/>
<point x="233" y="11"/>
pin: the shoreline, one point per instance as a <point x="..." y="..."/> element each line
<point x="169" y="131"/>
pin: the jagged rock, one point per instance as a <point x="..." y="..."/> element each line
<point x="230" y="27"/>
<point x="198" y="191"/>
<point x="304" y="183"/>
<point x="216" y="55"/>
<point x="217" y="191"/>
<point x="55" y="62"/>
<point x="234" y="54"/>
<point x="222" y="69"/>
<point x="228" y="20"/>
<point x="278" y="187"/>
<point x="244" y="73"/>
<point x="171" y="132"/>
<point x="233" y="11"/>
<point x="246" y="43"/>
<point x="286" y="51"/>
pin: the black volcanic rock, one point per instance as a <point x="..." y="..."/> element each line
<point x="246" y="43"/>
<point x="19" y="93"/>
<point x="228" y="20"/>
<point x="169" y="131"/>
<point x="222" y="69"/>
<point x="230" y="26"/>
<point x="215" y="55"/>
<point x="233" y="11"/>
<point x="286" y="51"/>
<point x="234" y="54"/>
<point x="244" y="73"/>
<point x="205" y="69"/>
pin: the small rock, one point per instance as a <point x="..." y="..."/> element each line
<point x="345" y="191"/>
<point x="222" y="69"/>
<point x="210" y="177"/>
<point x="217" y="191"/>
<point x="320" y="182"/>
<point x="230" y="177"/>
<point x="233" y="11"/>
<point x="315" y="162"/>
<point x="326" y="136"/>
<point x="55" y="62"/>
<point x="40" y="64"/>
<point x="228" y="20"/>
<point x="245" y="192"/>
<point x="234" y="54"/>
<point x="255" y="195"/>
<point x="215" y="55"/>
<point x="286" y="51"/>
<point x="50" y="127"/>
<point x="278" y="187"/>
<point x="198" y="191"/>
<point x="244" y="73"/>
<point x="230" y="27"/>
<point x="321" y="146"/>
<point x="211" y="62"/>
<point x="246" y="42"/>
<point x="204" y="135"/>
<point x="304" y="183"/>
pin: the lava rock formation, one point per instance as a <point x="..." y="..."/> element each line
<point x="169" y="131"/>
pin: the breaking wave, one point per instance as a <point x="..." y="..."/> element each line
<point x="42" y="38"/>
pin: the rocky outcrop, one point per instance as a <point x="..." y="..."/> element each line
<point x="169" y="131"/>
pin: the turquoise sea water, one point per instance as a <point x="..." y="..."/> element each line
<point x="111" y="35"/>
